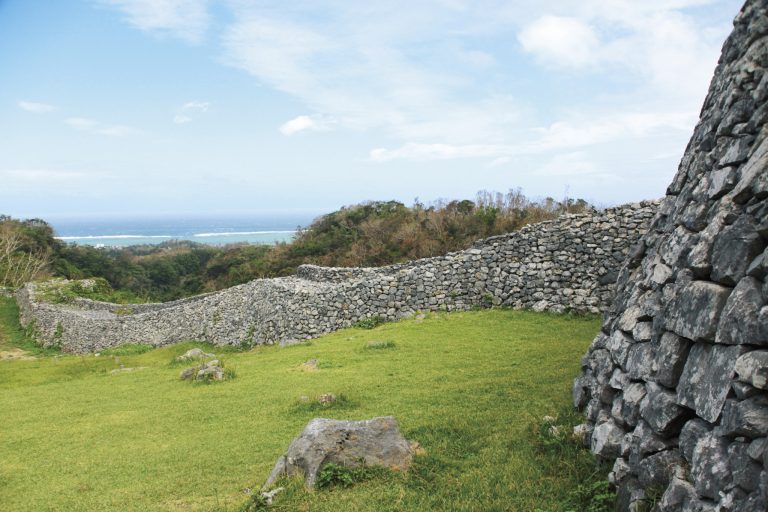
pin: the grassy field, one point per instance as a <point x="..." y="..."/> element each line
<point x="471" y="388"/>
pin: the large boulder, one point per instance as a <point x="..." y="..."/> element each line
<point x="375" y="442"/>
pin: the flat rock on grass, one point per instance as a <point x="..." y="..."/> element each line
<point x="375" y="442"/>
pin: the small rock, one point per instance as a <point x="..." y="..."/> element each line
<point x="326" y="399"/>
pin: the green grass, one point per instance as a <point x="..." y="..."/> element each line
<point x="12" y="335"/>
<point x="471" y="388"/>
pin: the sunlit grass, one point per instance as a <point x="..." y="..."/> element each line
<point x="471" y="388"/>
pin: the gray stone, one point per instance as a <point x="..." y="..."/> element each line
<point x="188" y="373"/>
<point x="643" y="331"/>
<point x="757" y="448"/>
<point x="375" y="442"/>
<point x="709" y="466"/>
<point x="645" y="441"/>
<point x="746" y="417"/>
<point x="739" y="319"/>
<point x="694" y="312"/>
<point x="659" y="408"/>
<point x="640" y="359"/>
<point x="752" y="368"/>
<point x="606" y="440"/>
<point x="670" y="359"/>
<point x="690" y="434"/>
<point x="631" y="400"/>
<point x="618" y="346"/>
<point x="678" y="494"/>
<point x="745" y="471"/>
<point x="619" y="472"/>
<point x="734" y="249"/>
<point x="706" y="378"/>
<point x="743" y="390"/>
<point x="658" y="469"/>
<point x="195" y="353"/>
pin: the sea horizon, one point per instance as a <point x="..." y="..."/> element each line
<point x="214" y="229"/>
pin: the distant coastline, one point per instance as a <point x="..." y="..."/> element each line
<point x="213" y="230"/>
<point x="223" y="238"/>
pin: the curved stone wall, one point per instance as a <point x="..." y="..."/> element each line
<point x="675" y="386"/>
<point x="569" y="263"/>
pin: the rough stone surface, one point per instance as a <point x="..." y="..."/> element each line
<point x="567" y="264"/>
<point x="752" y="368"/>
<point x="706" y="378"/>
<point x="375" y="442"/>
<point x="693" y="296"/>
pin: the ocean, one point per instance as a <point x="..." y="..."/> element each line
<point x="121" y="231"/>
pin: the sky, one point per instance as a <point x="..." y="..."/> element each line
<point x="112" y="107"/>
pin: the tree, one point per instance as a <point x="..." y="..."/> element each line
<point x="20" y="261"/>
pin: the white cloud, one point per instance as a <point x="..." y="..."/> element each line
<point x="188" y="111"/>
<point x="184" y="19"/>
<point x="37" y="108"/>
<point x="92" y="126"/>
<point x="561" y="41"/>
<point x="304" y="123"/>
<point x="195" y="106"/>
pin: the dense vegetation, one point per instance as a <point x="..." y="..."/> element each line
<point x="368" y="234"/>
<point x="474" y="389"/>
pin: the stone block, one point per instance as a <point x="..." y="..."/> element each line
<point x="694" y="312"/>
<point x="706" y="378"/>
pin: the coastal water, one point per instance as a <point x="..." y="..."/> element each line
<point x="121" y="231"/>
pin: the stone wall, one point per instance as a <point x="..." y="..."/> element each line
<point x="569" y="263"/>
<point x="674" y="386"/>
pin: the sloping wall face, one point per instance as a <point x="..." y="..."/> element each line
<point x="569" y="263"/>
<point x="675" y="386"/>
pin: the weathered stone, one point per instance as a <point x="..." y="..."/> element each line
<point x="694" y="313"/>
<point x="656" y="470"/>
<point x="606" y="440"/>
<point x="618" y="345"/>
<point x="746" y="417"/>
<point x="709" y="466"/>
<point x="643" y="331"/>
<point x="632" y="398"/>
<point x="645" y="441"/>
<point x="189" y="373"/>
<point x="630" y="495"/>
<point x="678" y="494"/>
<point x="734" y="249"/>
<point x="745" y="471"/>
<point x="690" y="434"/>
<point x="670" y="359"/>
<point x="757" y="448"/>
<point x="640" y="359"/>
<point x="743" y="390"/>
<point x="659" y="408"/>
<point x="752" y="368"/>
<point x="579" y="394"/>
<point x="619" y="472"/>
<point x="375" y="442"/>
<point x="706" y="378"/>
<point x="195" y="353"/>
<point x="619" y="380"/>
<point x="739" y="319"/>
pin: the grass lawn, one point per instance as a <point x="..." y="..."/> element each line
<point x="471" y="388"/>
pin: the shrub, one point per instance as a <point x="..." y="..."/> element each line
<point x="369" y="323"/>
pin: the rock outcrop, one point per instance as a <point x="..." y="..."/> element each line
<point x="674" y="386"/>
<point x="569" y="263"/>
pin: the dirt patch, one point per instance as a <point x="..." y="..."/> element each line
<point x="15" y="354"/>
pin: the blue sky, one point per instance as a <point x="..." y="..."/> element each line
<point x="158" y="106"/>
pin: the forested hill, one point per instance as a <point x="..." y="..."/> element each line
<point x="368" y="234"/>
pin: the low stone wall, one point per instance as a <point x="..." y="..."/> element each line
<point x="569" y="263"/>
<point x="675" y="386"/>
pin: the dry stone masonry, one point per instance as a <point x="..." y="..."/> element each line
<point x="569" y="263"/>
<point x="674" y="388"/>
